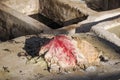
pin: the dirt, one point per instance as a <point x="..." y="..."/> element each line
<point x="16" y="64"/>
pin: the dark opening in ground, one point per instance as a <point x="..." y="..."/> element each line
<point x="50" y="23"/>
<point x="103" y="5"/>
<point x="55" y="25"/>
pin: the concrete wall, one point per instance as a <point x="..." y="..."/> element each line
<point x="24" y="6"/>
<point x="61" y="11"/>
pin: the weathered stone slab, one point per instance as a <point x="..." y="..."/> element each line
<point x="14" y="24"/>
<point x="61" y="11"/>
<point x="64" y="12"/>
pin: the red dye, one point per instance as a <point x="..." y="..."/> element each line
<point x="61" y="49"/>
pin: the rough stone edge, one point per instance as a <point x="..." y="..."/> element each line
<point x="24" y="21"/>
<point x="95" y="17"/>
<point x="101" y="31"/>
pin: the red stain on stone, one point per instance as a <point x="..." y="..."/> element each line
<point x="61" y="50"/>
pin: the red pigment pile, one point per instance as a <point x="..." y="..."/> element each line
<point x="62" y="53"/>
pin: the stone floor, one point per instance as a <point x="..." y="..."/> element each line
<point x="15" y="65"/>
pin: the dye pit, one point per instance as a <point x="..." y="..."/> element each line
<point x="50" y="23"/>
<point x="55" y="25"/>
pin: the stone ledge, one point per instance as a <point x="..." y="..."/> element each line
<point x="18" y="24"/>
<point x="101" y="30"/>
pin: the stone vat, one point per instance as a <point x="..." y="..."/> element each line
<point x="68" y="12"/>
<point x="17" y="17"/>
<point x="93" y="16"/>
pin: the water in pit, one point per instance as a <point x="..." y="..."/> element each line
<point x="115" y="30"/>
<point x="50" y="23"/>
